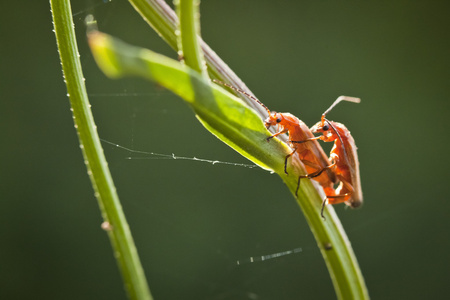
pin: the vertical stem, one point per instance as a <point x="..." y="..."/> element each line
<point x="105" y="192"/>
<point x="189" y="32"/>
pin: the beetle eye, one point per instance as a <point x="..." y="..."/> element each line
<point x="278" y="120"/>
<point x="325" y="127"/>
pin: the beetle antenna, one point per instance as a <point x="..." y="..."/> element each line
<point x="242" y="92"/>
<point x="339" y="99"/>
<point x="337" y="133"/>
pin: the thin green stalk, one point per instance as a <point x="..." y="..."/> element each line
<point x="164" y="21"/>
<point x="189" y="30"/>
<point x="332" y="241"/>
<point x="114" y="219"/>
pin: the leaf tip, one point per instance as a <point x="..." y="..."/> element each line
<point x="101" y="45"/>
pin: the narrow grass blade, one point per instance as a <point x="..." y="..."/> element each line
<point x="114" y="219"/>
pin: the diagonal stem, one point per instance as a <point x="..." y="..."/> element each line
<point x="189" y="31"/>
<point x="164" y="21"/>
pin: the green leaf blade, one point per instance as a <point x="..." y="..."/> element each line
<point x="225" y="115"/>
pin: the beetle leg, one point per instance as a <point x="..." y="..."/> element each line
<point x="324" y="202"/>
<point x="334" y="157"/>
<point x="307" y="140"/>
<point x="312" y="175"/>
<point x="286" y="159"/>
<point x="305" y="176"/>
<point x="277" y="134"/>
<point x="317" y="173"/>
<point x="298" y="183"/>
<point x="338" y="198"/>
<point x="334" y="200"/>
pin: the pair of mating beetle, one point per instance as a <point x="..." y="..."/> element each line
<point x="344" y="165"/>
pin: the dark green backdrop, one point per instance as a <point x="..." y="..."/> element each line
<point x="193" y="221"/>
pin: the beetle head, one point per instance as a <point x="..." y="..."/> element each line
<point x="326" y="128"/>
<point x="273" y="119"/>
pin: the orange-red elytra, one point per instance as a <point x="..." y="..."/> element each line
<point x="311" y="154"/>
<point x="344" y="157"/>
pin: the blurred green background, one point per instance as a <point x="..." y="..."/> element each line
<point x="193" y="221"/>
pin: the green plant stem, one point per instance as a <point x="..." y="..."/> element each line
<point x="189" y="31"/>
<point x="332" y="241"/>
<point x="114" y="219"/>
